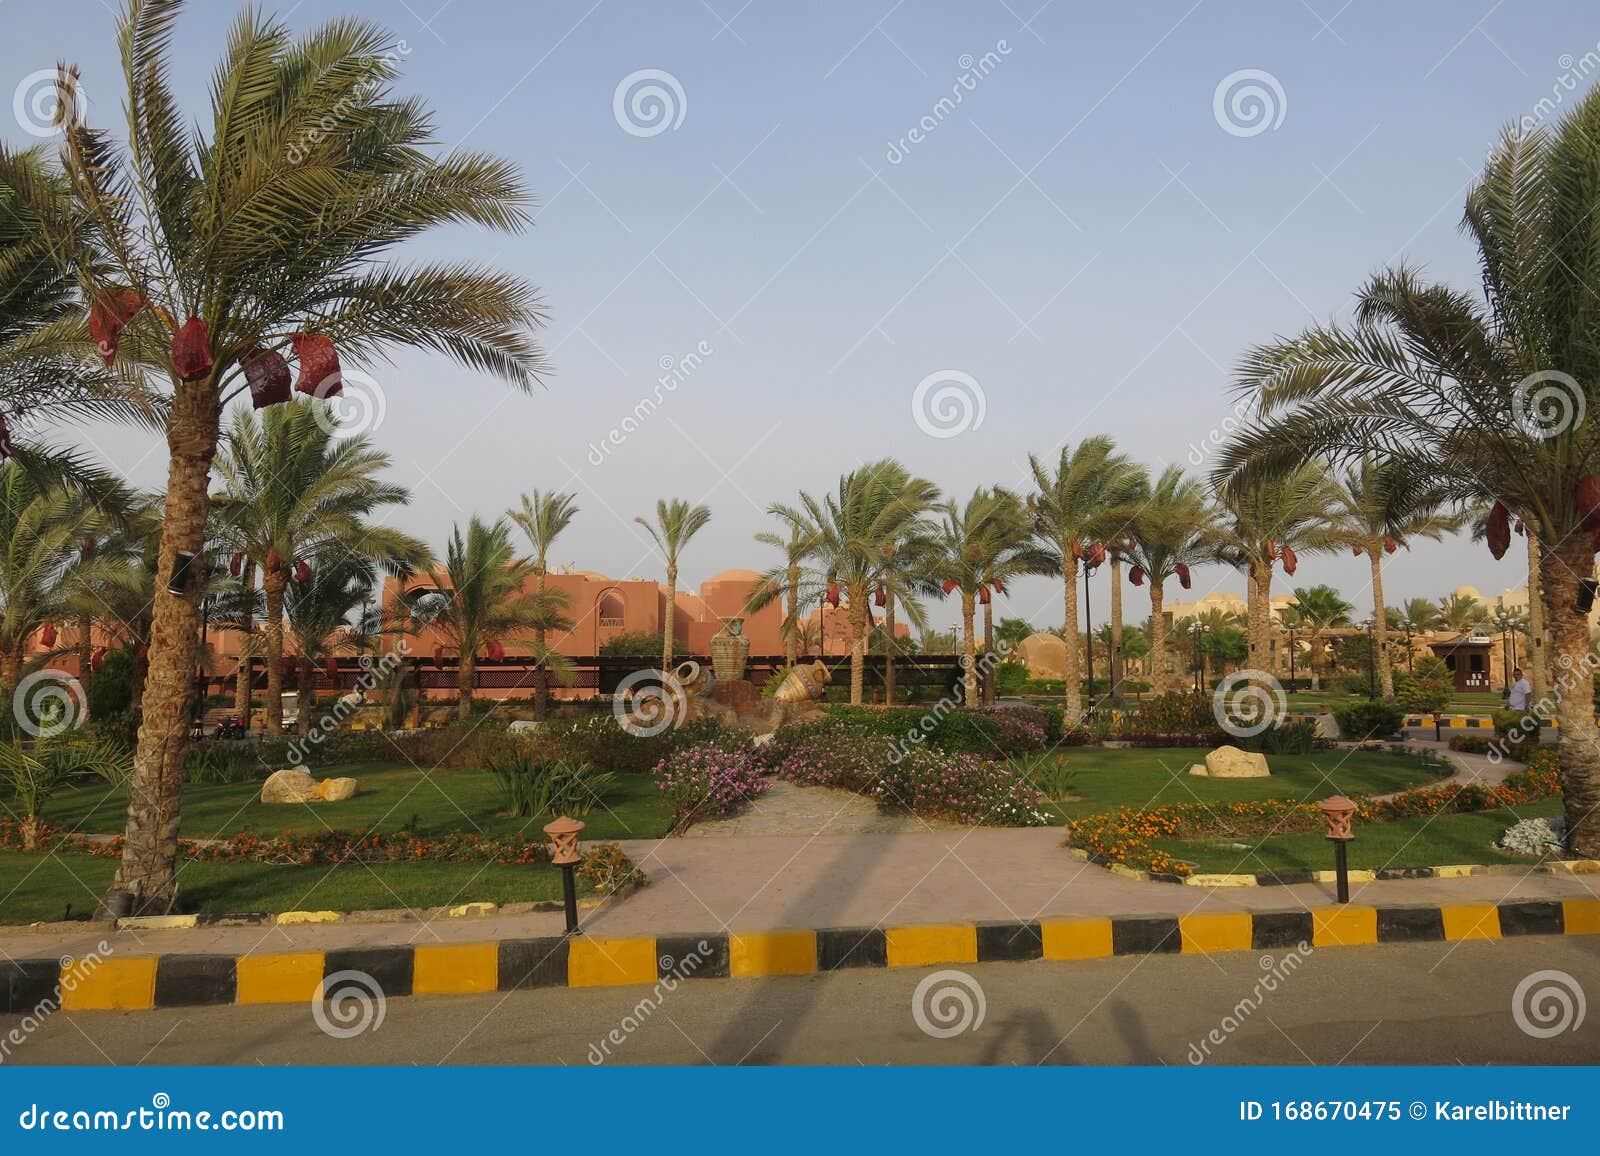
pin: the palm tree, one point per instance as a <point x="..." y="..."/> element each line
<point x="1487" y="393"/>
<point x="543" y="516"/>
<point x="783" y="581"/>
<point x="851" y="535"/>
<point x="207" y="252"/>
<point x="1462" y="613"/>
<point x="1267" y="518"/>
<point x="676" y="523"/>
<point x="1317" y="609"/>
<point x="981" y="547"/>
<point x="1091" y="485"/>
<point x="480" y="597"/>
<point x="1169" y="533"/>
<point x="319" y="613"/>
<point x="1417" y="616"/>
<point x="292" y="492"/>
<point x="1384" y="506"/>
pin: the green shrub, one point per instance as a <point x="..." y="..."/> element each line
<point x="533" y="785"/>
<point x="1506" y="721"/>
<point x="1286" y="738"/>
<point x="1372" y="718"/>
<point x="633" y="644"/>
<point x="1173" y="713"/>
<point x="111" y="687"/>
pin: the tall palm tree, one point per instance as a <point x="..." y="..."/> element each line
<point x="480" y="596"/>
<point x="542" y="516"/>
<point x="1268" y="518"/>
<point x="1538" y="675"/>
<point x="292" y="492"/>
<point x="851" y="533"/>
<point x="1462" y="613"/>
<point x="1317" y="609"/>
<point x="676" y="523"/>
<point x="1071" y="506"/>
<point x="1488" y="393"/>
<point x="1384" y="506"/>
<point x="783" y="581"/>
<point x="208" y="248"/>
<point x="982" y="546"/>
<point x="320" y="614"/>
<point x="1417" y="616"/>
<point x="1170" y="532"/>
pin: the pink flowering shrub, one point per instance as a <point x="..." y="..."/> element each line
<point x="707" y="780"/>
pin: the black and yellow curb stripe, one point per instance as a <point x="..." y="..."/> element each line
<point x="1356" y="875"/>
<point x="136" y="983"/>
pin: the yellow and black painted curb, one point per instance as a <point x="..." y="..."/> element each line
<point x="1356" y="875"/>
<point x="133" y="983"/>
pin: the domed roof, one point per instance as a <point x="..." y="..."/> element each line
<point x="1467" y="592"/>
<point x="735" y="575"/>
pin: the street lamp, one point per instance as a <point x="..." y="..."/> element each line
<point x="1338" y="814"/>
<point x="564" y="854"/>
<point x="1088" y="632"/>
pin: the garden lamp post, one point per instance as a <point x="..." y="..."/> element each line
<point x="1338" y="813"/>
<point x="1088" y="632"/>
<point x="564" y="854"/>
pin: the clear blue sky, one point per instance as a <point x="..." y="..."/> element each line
<point x="1080" y="234"/>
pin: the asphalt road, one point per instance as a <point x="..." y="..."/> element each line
<point x="1414" y="1003"/>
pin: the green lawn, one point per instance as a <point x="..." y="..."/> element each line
<point x="1085" y="780"/>
<point x="1419" y="842"/>
<point x="36" y="888"/>
<point x="392" y="796"/>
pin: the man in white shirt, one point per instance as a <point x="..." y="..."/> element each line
<point x="1521" y="691"/>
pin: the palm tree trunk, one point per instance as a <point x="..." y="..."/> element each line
<point x="791" y="637"/>
<point x="667" y="616"/>
<point x="969" y="652"/>
<point x="541" y="676"/>
<point x="272" y="585"/>
<point x="155" y="805"/>
<point x="1537" y="666"/>
<point x="1380" y="622"/>
<point x="1579" y="739"/>
<point x="1315" y="657"/>
<point x="1116" y="628"/>
<point x="987" y="689"/>
<point x="1259" y="616"/>
<point x="243" y="676"/>
<point x="30" y="831"/>
<point x="466" y="675"/>
<point x="1069" y="631"/>
<point x="10" y="677"/>
<point x="857" y="619"/>
<point x="305" y="696"/>
<point x="1158" y="637"/>
<point x="890" y="646"/>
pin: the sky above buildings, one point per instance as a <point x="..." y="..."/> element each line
<point x="776" y="240"/>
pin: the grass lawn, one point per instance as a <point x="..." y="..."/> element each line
<point x="36" y="888"/>
<point x="392" y="796"/>
<point x="1085" y="780"/>
<point x="1419" y="842"/>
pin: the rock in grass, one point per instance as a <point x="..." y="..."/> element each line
<point x="1232" y="763"/>
<point x="293" y="785"/>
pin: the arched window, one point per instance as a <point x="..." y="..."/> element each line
<point x="610" y="610"/>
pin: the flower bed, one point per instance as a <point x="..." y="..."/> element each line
<point x="708" y="780"/>
<point x="1124" y="836"/>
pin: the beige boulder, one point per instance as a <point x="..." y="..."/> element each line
<point x="1232" y="763"/>
<point x="293" y="785"/>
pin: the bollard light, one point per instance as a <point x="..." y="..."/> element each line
<point x="1338" y="816"/>
<point x="564" y="854"/>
